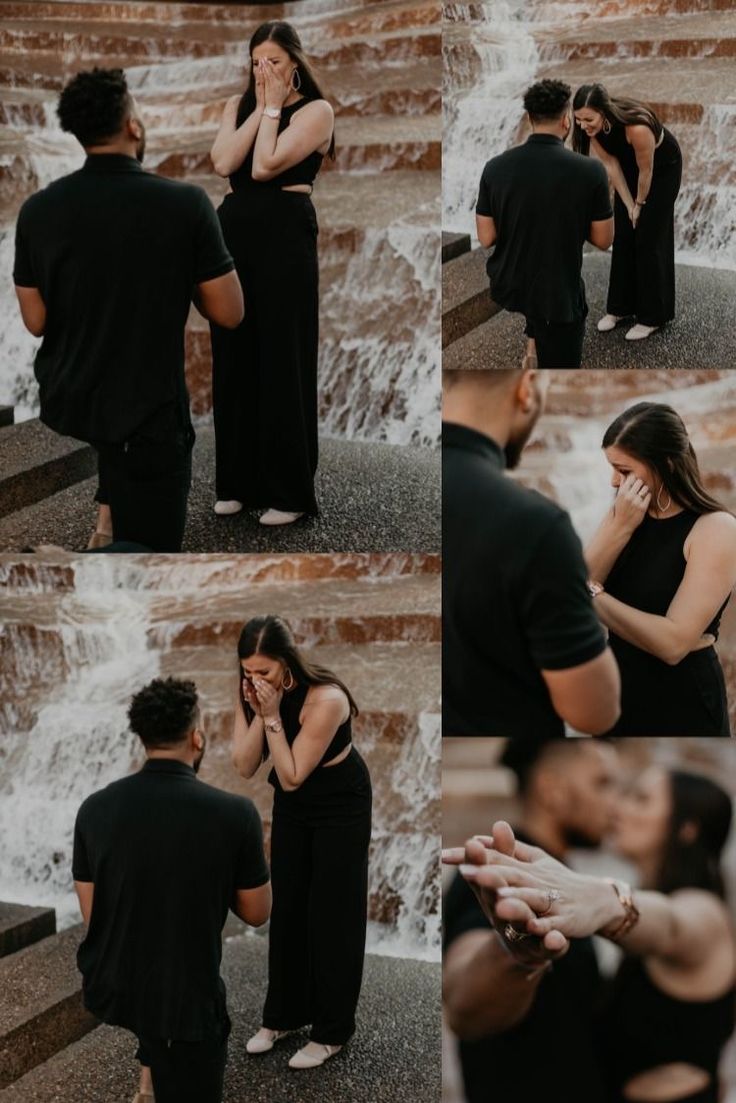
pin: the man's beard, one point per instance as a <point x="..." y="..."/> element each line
<point x="515" y="447"/>
<point x="198" y="760"/>
<point x="141" y="148"/>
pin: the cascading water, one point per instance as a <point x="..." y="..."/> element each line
<point x="490" y="58"/>
<point x="493" y="51"/>
<point x="107" y="627"/>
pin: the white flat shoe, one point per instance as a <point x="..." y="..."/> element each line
<point x="223" y="509"/>
<point x="264" y="1040"/>
<point x="608" y="322"/>
<point x="639" y="332"/>
<point x="279" y="517"/>
<point x="312" y="1055"/>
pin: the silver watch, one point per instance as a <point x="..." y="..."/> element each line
<point x="273" y="726"/>
<point x="272" y="112"/>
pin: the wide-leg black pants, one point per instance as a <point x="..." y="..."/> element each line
<point x="265" y="372"/>
<point x="319" y="878"/>
<point x="642" y="282"/>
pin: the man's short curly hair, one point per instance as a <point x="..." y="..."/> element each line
<point x="164" y="712"/>
<point x="547" y="100"/>
<point x="94" y="104"/>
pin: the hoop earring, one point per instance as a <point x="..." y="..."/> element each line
<point x="607" y="126"/>
<point x="297" y="74"/>
<point x="292" y="681"/>
<point x="660" y="507"/>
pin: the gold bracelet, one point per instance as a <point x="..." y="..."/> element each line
<point x="631" y="912"/>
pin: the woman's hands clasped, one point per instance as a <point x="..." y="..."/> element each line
<point x="262" y="697"/>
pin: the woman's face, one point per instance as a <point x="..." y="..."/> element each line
<point x="261" y="666"/>
<point x="589" y="120"/>
<point x="281" y="63"/>
<point x="623" y="464"/>
<point x="642" y="818"/>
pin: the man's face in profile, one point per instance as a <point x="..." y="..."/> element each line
<point x="531" y="398"/>
<point x="135" y="117"/>
<point x="200" y="754"/>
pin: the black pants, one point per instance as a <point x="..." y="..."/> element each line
<point x="642" y="282"/>
<point x="264" y="373"/>
<point x="185" y="1072"/>
<point x="146" y="482"/>
<point x="559" y="345"/>
<point x="319" y="876"/>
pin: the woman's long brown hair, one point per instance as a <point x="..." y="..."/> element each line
<point x="617" y="109"/>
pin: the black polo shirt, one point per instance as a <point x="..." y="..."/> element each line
<point x="115" y="252"/>
<point x="542" y="198"/>
<point x="166" y="853"/>
<point x="558" y="1033"/>
<point x="515" y="600"/>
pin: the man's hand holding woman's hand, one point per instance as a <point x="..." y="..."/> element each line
<point x="488" y="880"/>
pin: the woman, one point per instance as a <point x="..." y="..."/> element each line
<point x="271" y="144"/>
<point x="300" y="715"/>
<point x="672" y="1006"/>
<point x="644" y="164"/>
<point x="662" y="567"/>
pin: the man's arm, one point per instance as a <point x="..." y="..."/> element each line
<point x="601" y="234"/>
<point x="221" y="300"/>
<point x="32" y="309"/>
<point x="587" y="697"/>
<point x="253" y="906"/>
<point x="85" y="893"/>
<point x="485" y="227"/>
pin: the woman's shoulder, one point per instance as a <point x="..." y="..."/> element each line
<point x="719" y="525"/>
<point x="316" y="108"/>
<point x="325" y="694"/>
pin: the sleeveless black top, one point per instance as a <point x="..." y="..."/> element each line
<point x="666" y="154"/>
<point x="643" y="1028"/>
<point x="304" y="172"/>
<point x="651" y="567"/>
<point x="291" y="706"/>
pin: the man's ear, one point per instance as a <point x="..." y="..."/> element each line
<point x="196" y="739"/>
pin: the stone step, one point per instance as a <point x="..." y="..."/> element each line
<point x="397" y="1016"/>
<point x="696" y="35"/>
<point x="454" y="245"/>
<point x="363" y="144"/>
<point x="682" y="95"/>
<point x="22" y="926"/>
<point x="694" y="340"/>
<point x="36" y="463"/>
<point x="391" y="681"/>
<point x="41" y="1011"/>
<point x="351" y="488"/>
<point x="466" y="300"/>
<point x="594" y="393"/>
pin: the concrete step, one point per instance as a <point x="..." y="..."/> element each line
<point x="454" y="245"/>
<point x="367" y="144"/>
<point x="466" y="300"/>
<point x="21" y="926"/>
<point x="356" y="512"/>
<point x="696" y="339"/>
<point x="680" y="95"/>
<point x="395" y="1053"/>
<point x="692" y="35"/>
<point x="41" y="1011"/>
<point x="36" y="463"/>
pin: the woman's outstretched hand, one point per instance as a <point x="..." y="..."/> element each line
<point x="529" y="950"/>
<point x="632" y="503"/>
<point x="541" y="896"/>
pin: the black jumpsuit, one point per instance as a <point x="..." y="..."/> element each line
<point x="319" y="875"/>
<point x="264" y="373"/>
<point x="642" y="282"/>
<point x="656" y="698"/>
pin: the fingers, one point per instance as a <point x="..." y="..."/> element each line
<point x="556" y="943"/>
<point x="513" y="910"/>
<point x="503" y="838"/>
<point x="492" y="876"/>
<point x="453" y="855"/>
<point x="541" y="901"/>
<point x="475" y="852"/>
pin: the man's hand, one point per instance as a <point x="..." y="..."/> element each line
<point x="486" y="880"/>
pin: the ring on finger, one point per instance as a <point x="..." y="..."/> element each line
<point x="552" y="896"/>
<point x="511" y="934"/>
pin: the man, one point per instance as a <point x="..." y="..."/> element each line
<point x="538" y="204"/>
<point x="159" y="857"/>
<point x="107" y="262"/>
<point x="523" y="650"/>
<point x="524" y="1025"/>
